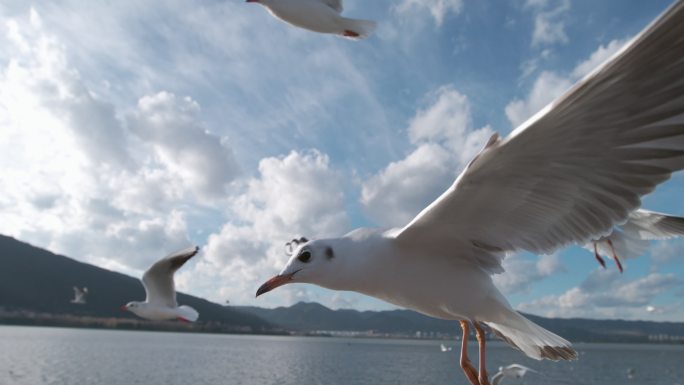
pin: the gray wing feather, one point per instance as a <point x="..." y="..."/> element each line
<point x="158" y="279"/>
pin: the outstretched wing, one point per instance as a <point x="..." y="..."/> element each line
<point x="577" y="168"/>
<point x="158" y="279"/>
<point x="518" y="370"/>
<point x="496" y="379"/>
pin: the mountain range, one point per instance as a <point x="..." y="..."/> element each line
<point x="36" y="286"/>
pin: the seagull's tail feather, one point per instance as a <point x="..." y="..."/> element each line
<point x="188" y="313"/>
<point x="357" y="29"/>
<point x="532" y="339"/>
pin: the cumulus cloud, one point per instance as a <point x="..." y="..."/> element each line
<point x="667" y="251"/>
<point x="171" y="125"/>
<point x="87" y="178"/>
<point x="445" y="141"/>
<point x="295" y="195"/>
<point x="106" y="165"/>
<point x="39" y="77"/>
<point x="546" y="87"/>
<point x="396" y="194"/>
<point x="550" y="85"/>
<point x="549" y="24"/>
<point x="607" y="294"/>
<point x="598" y="57"/>
<point x="438" y="9"/>
<point x="522" y="273"/>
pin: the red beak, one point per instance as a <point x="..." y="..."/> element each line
<point x="123" y="308"/>
<point x="278" y="280"/>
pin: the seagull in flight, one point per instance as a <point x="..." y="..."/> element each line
<point x="511" y="371"/>
<point x="322" y="16"/>
<point x="161" y="291"/>
<point x="80" y="296"/>
<point x="568" y="175"/>
<point x="632" y="238"/>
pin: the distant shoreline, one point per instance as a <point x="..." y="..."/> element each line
<point x="29" y="318"/>
<point x="35" y="319"/>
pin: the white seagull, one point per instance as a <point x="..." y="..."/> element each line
<point x="632" y="238"/>
<point x="80" y="296"/>
<point x="161" y="291"/>
<point x="444" y="348"/>
<point x="319" y="16"/>
<point x="568" y="175"/>
<point x="511" y="371"/>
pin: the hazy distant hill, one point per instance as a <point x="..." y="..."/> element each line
<point x="37" y="280"/>
<point x="306" y="317"/>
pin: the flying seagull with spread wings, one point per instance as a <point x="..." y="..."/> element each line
<point x="511" y="371"/>
<point x="80" y="296"/>
<point x="322" y="16"/>
<point x="568" y="175"/>
<point x="160" y="303"/>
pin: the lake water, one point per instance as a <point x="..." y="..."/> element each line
<point x="36" y="356"/>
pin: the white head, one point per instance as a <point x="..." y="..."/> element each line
<point x="133" y="306"/>
<point x="318" y="262"/>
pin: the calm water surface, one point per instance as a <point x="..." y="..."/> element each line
<point x="35" y="356"/>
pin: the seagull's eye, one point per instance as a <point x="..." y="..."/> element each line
<point x="304" y="257"/>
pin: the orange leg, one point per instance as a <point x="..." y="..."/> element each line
<point x="615" y="257"/>
<point x="467" y="367"/>
<point x="598" y="257"/>
<point x="480" y="334"/>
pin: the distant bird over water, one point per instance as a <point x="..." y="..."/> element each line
<point x="319" y="16"/>
<point x="632" y="238"/>
<point x="80" y="296"/>
<point x="568" y="175"/>
<point x="443" y="348"/>
<point x="160" y="303"/>
<point x="511" y="371"/>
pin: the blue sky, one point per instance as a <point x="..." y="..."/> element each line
<point x="133" y="129"/>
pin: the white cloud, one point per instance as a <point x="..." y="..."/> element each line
<point x="445" y="140"/>
<point x="104" y="166"/>
<point x="296" y="195"/>
<point x="546" y="88"/>
<point x="439" y="9"/>
<point x="171" y="125"/>
<point x="598" y="57"/>
<point x="74" y="178"/>
<point x="38" y="78"/>
<point x="446" y="118"/>
<point x="667" y="251"/>
<point x="607" y="294"/>
<point x="550" y="85"/>
<point x="396" y="194"/>
<point x="521" y="273"/>
<point x="549" y="24"/>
